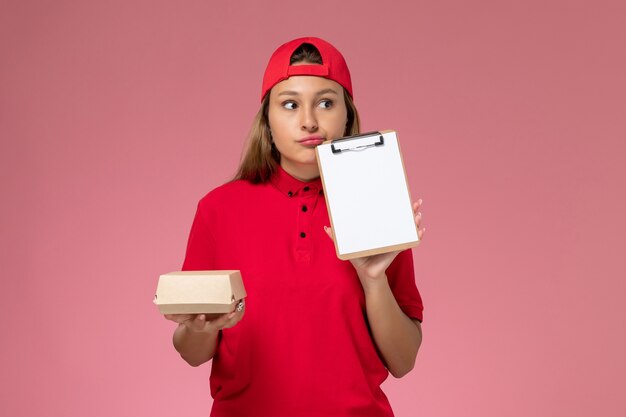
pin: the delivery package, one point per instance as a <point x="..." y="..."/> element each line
<point x="199" y="292"/>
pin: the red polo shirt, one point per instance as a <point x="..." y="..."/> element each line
<point x="303" y="347"/>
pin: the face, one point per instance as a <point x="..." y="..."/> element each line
<point x="303" y="112"/>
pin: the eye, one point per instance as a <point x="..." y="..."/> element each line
<point x="289" y="105"/>
<point x="326" y="103"/>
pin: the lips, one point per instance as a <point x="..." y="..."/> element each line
<point x="312" y="140"/>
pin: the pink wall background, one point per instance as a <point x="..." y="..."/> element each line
<point x="117" y="116"/>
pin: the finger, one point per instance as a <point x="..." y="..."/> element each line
<point x="420" y="233"/>
<point x="221" y="321"/>
<point x="418" y="219"/>
<point x="234" y="318"/>
<point x="197" y="322"/>
<point x="329" y="232"/>
<point x="178" y="318"/>
<point x="416" y="205"/>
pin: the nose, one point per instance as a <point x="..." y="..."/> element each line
<point x="309" y="121"/>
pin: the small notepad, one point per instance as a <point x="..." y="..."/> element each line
<point x="367" y="194"/>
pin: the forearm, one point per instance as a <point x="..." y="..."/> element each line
<point x="397" y="337"/>
<point x="194" y="347"/>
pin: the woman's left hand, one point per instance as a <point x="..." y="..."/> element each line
<point x="372" y="268"/>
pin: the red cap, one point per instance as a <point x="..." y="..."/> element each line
<point x="333" y="65"/>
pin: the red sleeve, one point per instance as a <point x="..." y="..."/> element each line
<point x="402" y="282"/>
<point x="200" y="244"/>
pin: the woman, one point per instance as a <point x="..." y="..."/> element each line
<point x="319" y="335"/>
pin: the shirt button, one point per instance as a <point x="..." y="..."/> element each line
<point x="290" y="194"/>
<point x="306" y="188"/>
<point x="303" y="235"/>
<point x="304" y="208"/>
<point x="321" y="192"/>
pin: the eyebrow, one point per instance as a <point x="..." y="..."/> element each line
<point x="319" y="93"/>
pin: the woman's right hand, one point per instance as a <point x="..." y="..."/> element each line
<point x="205" y="323"/>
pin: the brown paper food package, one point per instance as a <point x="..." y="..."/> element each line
<point x="199" y="292"/>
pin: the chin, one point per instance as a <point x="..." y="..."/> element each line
<point x="310" y="158"/>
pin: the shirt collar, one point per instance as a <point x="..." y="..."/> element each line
<point x="291" y="186"/>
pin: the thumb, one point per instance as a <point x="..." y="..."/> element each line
<point x="329" y="232"/>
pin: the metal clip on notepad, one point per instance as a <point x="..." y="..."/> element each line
<point x="365" y="140"/>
